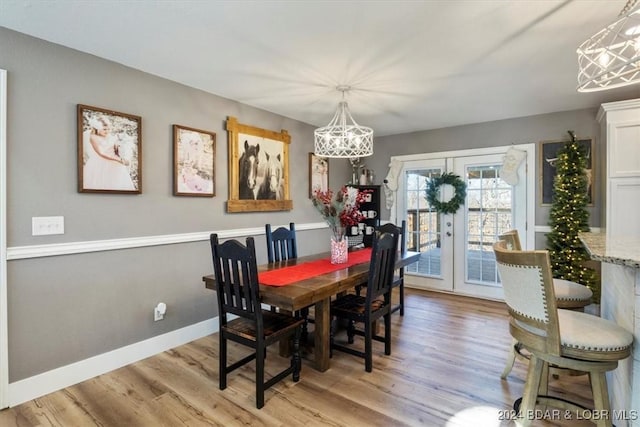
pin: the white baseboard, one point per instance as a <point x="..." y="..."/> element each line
<point x="65" y="376"/>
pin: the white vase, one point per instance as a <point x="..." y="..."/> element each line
<point x="339" y="246"/>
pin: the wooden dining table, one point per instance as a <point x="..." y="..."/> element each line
<point x="316" y="291"/>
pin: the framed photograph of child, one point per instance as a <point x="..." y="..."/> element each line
<point x="194" y="158"/>
<point x="109" y="151"/>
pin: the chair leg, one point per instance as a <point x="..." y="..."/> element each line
<point x="260" y="376"/>
<point x="351" y="331"/>
<point x="304" y="313"/>
<point x="600" y="397"/>
<point x="511" y="359"/>
<point x="296" y="361"/>
<point x="543" y="388"/>
<point x="368" y="346"/>
<point x="530" y="393"/>
<point x="401" y="299"/>
<point x="332" y="332"/>
<point x="387" y="333"/>
<point x="223" y="362"/>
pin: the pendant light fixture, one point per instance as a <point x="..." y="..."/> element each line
<point x="343" y="137"/>
<point x="611" y="57"/>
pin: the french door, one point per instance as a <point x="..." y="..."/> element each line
<point x="457" y="254"/>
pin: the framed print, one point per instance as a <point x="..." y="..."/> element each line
<point x="549" y="155"/>
<point x="258" y="169"/>
<point x="318" y="174"/>
<point x="109" y="151"/>
<point x="194" y="161"/>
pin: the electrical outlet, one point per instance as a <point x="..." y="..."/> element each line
<point x="159" y="311"/>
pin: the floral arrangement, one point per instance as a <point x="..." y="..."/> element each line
<point x="340" y="209"/>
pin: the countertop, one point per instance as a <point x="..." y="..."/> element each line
<point x="622" y="251"/>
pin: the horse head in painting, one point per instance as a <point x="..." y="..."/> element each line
<point x="272" y="185"/>
<point x="248" y="171"/>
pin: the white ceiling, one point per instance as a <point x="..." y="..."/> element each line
<point x="414" y="65"/>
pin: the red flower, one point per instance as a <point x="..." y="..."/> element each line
<point x="341" y="209"/>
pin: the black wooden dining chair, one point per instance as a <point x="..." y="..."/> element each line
<point x="398" y="278"/>
<point x="375" y="304"/>
<point x="281" y="243"/>
<point x="238" y="294"/>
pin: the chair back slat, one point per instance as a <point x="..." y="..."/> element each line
<point x="513" y="240"/>
<point x="281" y="243"/>
<point x="527" y="281"/>
<point x="236" y="274"/>
<point x="402" y="231"/>
<point x="383" y="259"/>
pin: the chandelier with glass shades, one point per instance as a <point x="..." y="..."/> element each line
<point x="343" y="137"/>
<point x="611" y="58"/>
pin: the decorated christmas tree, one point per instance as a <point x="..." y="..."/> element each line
<point x="569" y="216"/>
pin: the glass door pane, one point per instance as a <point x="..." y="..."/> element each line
<point x="490" y="209"/>
<point x="489" y="214"/>
<point x="425" y="229"/>
<point x="423" y="224"/>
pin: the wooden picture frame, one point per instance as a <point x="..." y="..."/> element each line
<point x="194" y="159"/>
<point x="318" y="174"/>
<point x="548" y="155"/>
<point x="262" y="158"/>
<point x="109" y="151"/>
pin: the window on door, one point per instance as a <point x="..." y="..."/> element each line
<point x="489" y="214"/>
<point x="423" y="223"/>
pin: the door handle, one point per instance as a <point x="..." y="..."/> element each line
<point x="449" y="233"/>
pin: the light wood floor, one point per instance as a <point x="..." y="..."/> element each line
<point x="447" y="356"/>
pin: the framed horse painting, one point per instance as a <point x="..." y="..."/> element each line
<point x="258" y="169"/>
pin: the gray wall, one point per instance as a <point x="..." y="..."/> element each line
<point x="63" y="309"/>
<point x="545" y="127"/>
<point x="47" y="81"/>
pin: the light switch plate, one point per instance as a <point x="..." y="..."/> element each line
<point x="45" y="225"/>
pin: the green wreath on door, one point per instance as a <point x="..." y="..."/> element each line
<point x="433" y="193"/>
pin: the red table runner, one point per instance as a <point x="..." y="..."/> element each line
<point x="295" y="273"/>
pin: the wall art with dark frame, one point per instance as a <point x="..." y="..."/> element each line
<point x="548" y="157"/>
<point x="194" y="158"/>
<point x="109" y="151"/>
<point x="318" y="174"/>
<point x="258" y="169"/>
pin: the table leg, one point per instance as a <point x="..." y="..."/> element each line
<point x="322" y="331"/>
